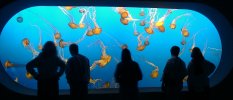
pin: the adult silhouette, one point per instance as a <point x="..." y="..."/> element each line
<point x="78" y="73"/>
<point x="199" y="70"/>
<point x="173" y="74"/>
<point x="47" y="75"/>
<point x="127" y="74"/>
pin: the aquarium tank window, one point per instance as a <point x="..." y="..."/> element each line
<point x="102" y="33"/>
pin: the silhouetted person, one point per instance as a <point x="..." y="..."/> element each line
<point x="173" y="75"/>
<point x="47" y="75"/>
<point x="127" y="74"/>
<point x="199" y="70"/>
<point x="78" y="73"/>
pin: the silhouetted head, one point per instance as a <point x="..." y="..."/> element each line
<point x="175" y="50"/>
<point x="196" y="54"/>
<point x="125" y="56"/>
<point x="73" y="49"/>
<point x="49" y="49"/>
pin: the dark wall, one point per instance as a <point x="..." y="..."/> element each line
<point x="221" y="91"/>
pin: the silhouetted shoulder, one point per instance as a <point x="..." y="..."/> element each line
<point x="210" y="67"/>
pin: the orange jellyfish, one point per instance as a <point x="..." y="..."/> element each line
<point x="97" y="30"/>
<point x="124" y="21"/>
<point x="69" y="7"/>
<point x="185" y="32"/>
<point x="81" y="24"/>
<point x="120" y="10"/>
<point x="71" y="24"/>
<point x="160" y="22"/>
<point x="93" y="81"/>
<point x="136" y="33"/>
<point x="25" y="42"/>
<point x="62" y="44"/>
<point x="140" y="47"/>
<point x="124" y="46"/>
<point x="194" y="39"/>
<point x="9" y="64"/>
<point x="155" y="72"/>
<point x="142" y="12"/>
<point x="146" y="43"/>
<point x="142" y="23"/>
<point x="27" y="45"/>
<point x="124" y="14"/>
<point x="152" y="13"/>
<point x="28" y="75"/>
<point x="105" y="57"/>
<point x="161" y="28"/>
<point x="40" y="37"/>
<point x="106" y="85"/>
<point x="183" y="42"/>
<point x="173" y="23"/>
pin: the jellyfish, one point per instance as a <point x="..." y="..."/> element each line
<point x="81" y="24"/>
<point x="27" y="45"/>
<point x="183" y="42"/>
<point x="120" y="10"/>
<point x="82" y="10"/>
<point x="136" y="33"/>
<point x="28" y="75"/>
<point x="97" y="30"/>
<point x="9" y="64"/>
<point x="140" y="47"/>
<point x="105" y="57"/>
<point x="69" y="7"/>
<point x="216" y="50"/>
<point x="40" y="37"/>
<point x="122" y="46"/>
<point x="194" y="39"/>
<point x="124" y="21"/>
<point x="19" y="19"/>
<point x="160" y="22"/>
<point x="62" y="44"/>
<point x="161" y="28"/>
<point x="152" y="13"/>
<point x="124" y="14"/>
<point x="93" y="81"/>
<point x="71" y="23"/>
<point x="182" y="50"/>
<point x="185" y="32"/>
<point x="142" y="12"/>
<point x="106" y="85"/>
<point x="173" y="23"/>
<point x="142" y="23"/>
<point x="155" y="72"/>
<point x="82" y="38"/>
<point x="146" y="43"/>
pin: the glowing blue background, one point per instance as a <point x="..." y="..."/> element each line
<point x="158" y="51"/>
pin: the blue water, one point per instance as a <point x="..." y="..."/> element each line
<point x="113" y="33"/>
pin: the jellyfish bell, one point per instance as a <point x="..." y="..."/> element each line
<point x="106" y="58"/>
<point x="161" y="28"/>
<point x="89" y="33"/>
<point x="172" y="26"/>
<point x="61" y="44"/>
<point x="143" y="23"/>
<point x="146" y="43"/>
<point x="124" y="14"/>
<point x="81" y="10"/>
<point x="68" y="7"/>
<point x="81" y="25"/>
<point x="96" y="30"/>
<point x="149" y="30"/>
<point x="106" y="85"/>
<point x="25" y="42"/>
<point x="8" y="64"/>
<point x="73" y="25"/>
<point x="124" y="21"/>
<point x="28" y="75"/>
<point x="57" y="35"/>
<point x="185" y="32"/>
<point x="101" y="63"/>
<point x="40" y="47"/>
<point x="19" y="19"/>
<point x="154" y="74"/>
<point x="183" y="42"/>
<point x="157" y="24"/>
<point x="142" y="13"/>
<point x="141" y="47"/>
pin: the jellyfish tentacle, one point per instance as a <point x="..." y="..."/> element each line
<point x="40" y="36"/>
